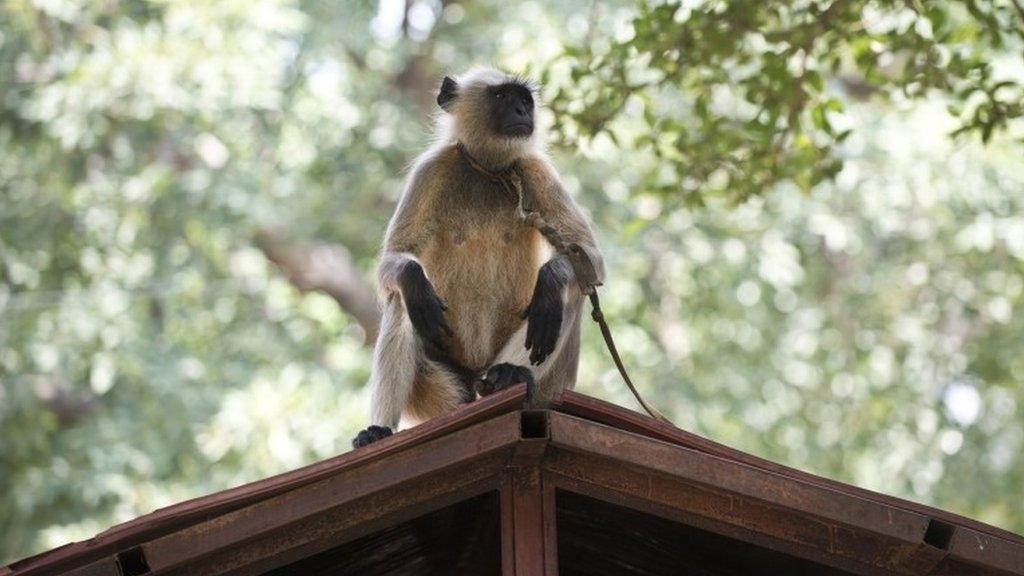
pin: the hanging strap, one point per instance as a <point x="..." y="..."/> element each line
<point x="583" y="267"/>
<point x="606" y="332"/>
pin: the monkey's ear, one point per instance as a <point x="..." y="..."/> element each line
<point x="447" y="94"/>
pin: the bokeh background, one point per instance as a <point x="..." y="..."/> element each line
<point x="813" y="213"/>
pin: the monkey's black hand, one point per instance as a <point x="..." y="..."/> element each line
<point x="544" y="314"/>
<point x="501" y="376"/>
<point x="425" y="308"/>
<point x="371" y="435"/>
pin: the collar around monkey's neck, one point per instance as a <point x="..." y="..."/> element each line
<point x="508" y="177"/>
<point x="490" y="174"/>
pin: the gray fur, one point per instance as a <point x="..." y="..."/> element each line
<point x="393" y="371"/>
<point x="482" y="259"/>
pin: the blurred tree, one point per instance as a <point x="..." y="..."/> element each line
<point x="735" y="96"/>
<point x="193" y="194"/>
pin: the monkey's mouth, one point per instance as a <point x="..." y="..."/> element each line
<point x="519" y="129"/>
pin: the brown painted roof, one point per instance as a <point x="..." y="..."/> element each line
<point x="580" y="446"/>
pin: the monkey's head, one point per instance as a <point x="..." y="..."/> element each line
<point x="491" y="113"/>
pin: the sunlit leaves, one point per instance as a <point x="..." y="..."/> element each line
<point x="739" y="96"/>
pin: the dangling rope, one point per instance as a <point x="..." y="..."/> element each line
<point x="582" y="265"/>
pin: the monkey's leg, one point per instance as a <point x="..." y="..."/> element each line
<point x="555" y="373"/>
<point x="404" y="380"/>
<point x="436" y="390"/>
<point x="395" y="359"/>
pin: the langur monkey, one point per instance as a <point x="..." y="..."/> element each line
<point x="474" y="299"/>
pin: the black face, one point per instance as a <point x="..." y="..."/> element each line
<point x="511" y="109"/>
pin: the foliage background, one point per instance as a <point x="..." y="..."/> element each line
<point x="812" y="213"/>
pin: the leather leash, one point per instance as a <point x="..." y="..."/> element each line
<point x="583" y="266"/>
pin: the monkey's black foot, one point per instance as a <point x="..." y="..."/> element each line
<point x="501" y="376"/>
<point x="371" y="435"/>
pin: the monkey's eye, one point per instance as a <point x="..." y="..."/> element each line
<point x="499" y="95"/>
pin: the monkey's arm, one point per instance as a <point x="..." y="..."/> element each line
<point x="407" y="231"/>
<point x="548" y="197"/>
<point x="556" y="280"/>
<point x="400" y="270"/>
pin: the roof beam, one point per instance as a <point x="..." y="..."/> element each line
<point x="98" y="556"/>
<point x="528" y="505"/>
<point x="325" y="512"/>
<point x="738" y="500"/>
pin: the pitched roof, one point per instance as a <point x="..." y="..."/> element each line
<point x="580" y="446"/>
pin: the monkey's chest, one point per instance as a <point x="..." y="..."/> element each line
<point x="485" y="272"/>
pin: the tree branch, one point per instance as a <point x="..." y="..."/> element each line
<point x="71" y="406"/>
<point x="1020" y="9"/>
<point x="325" y="268"/>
